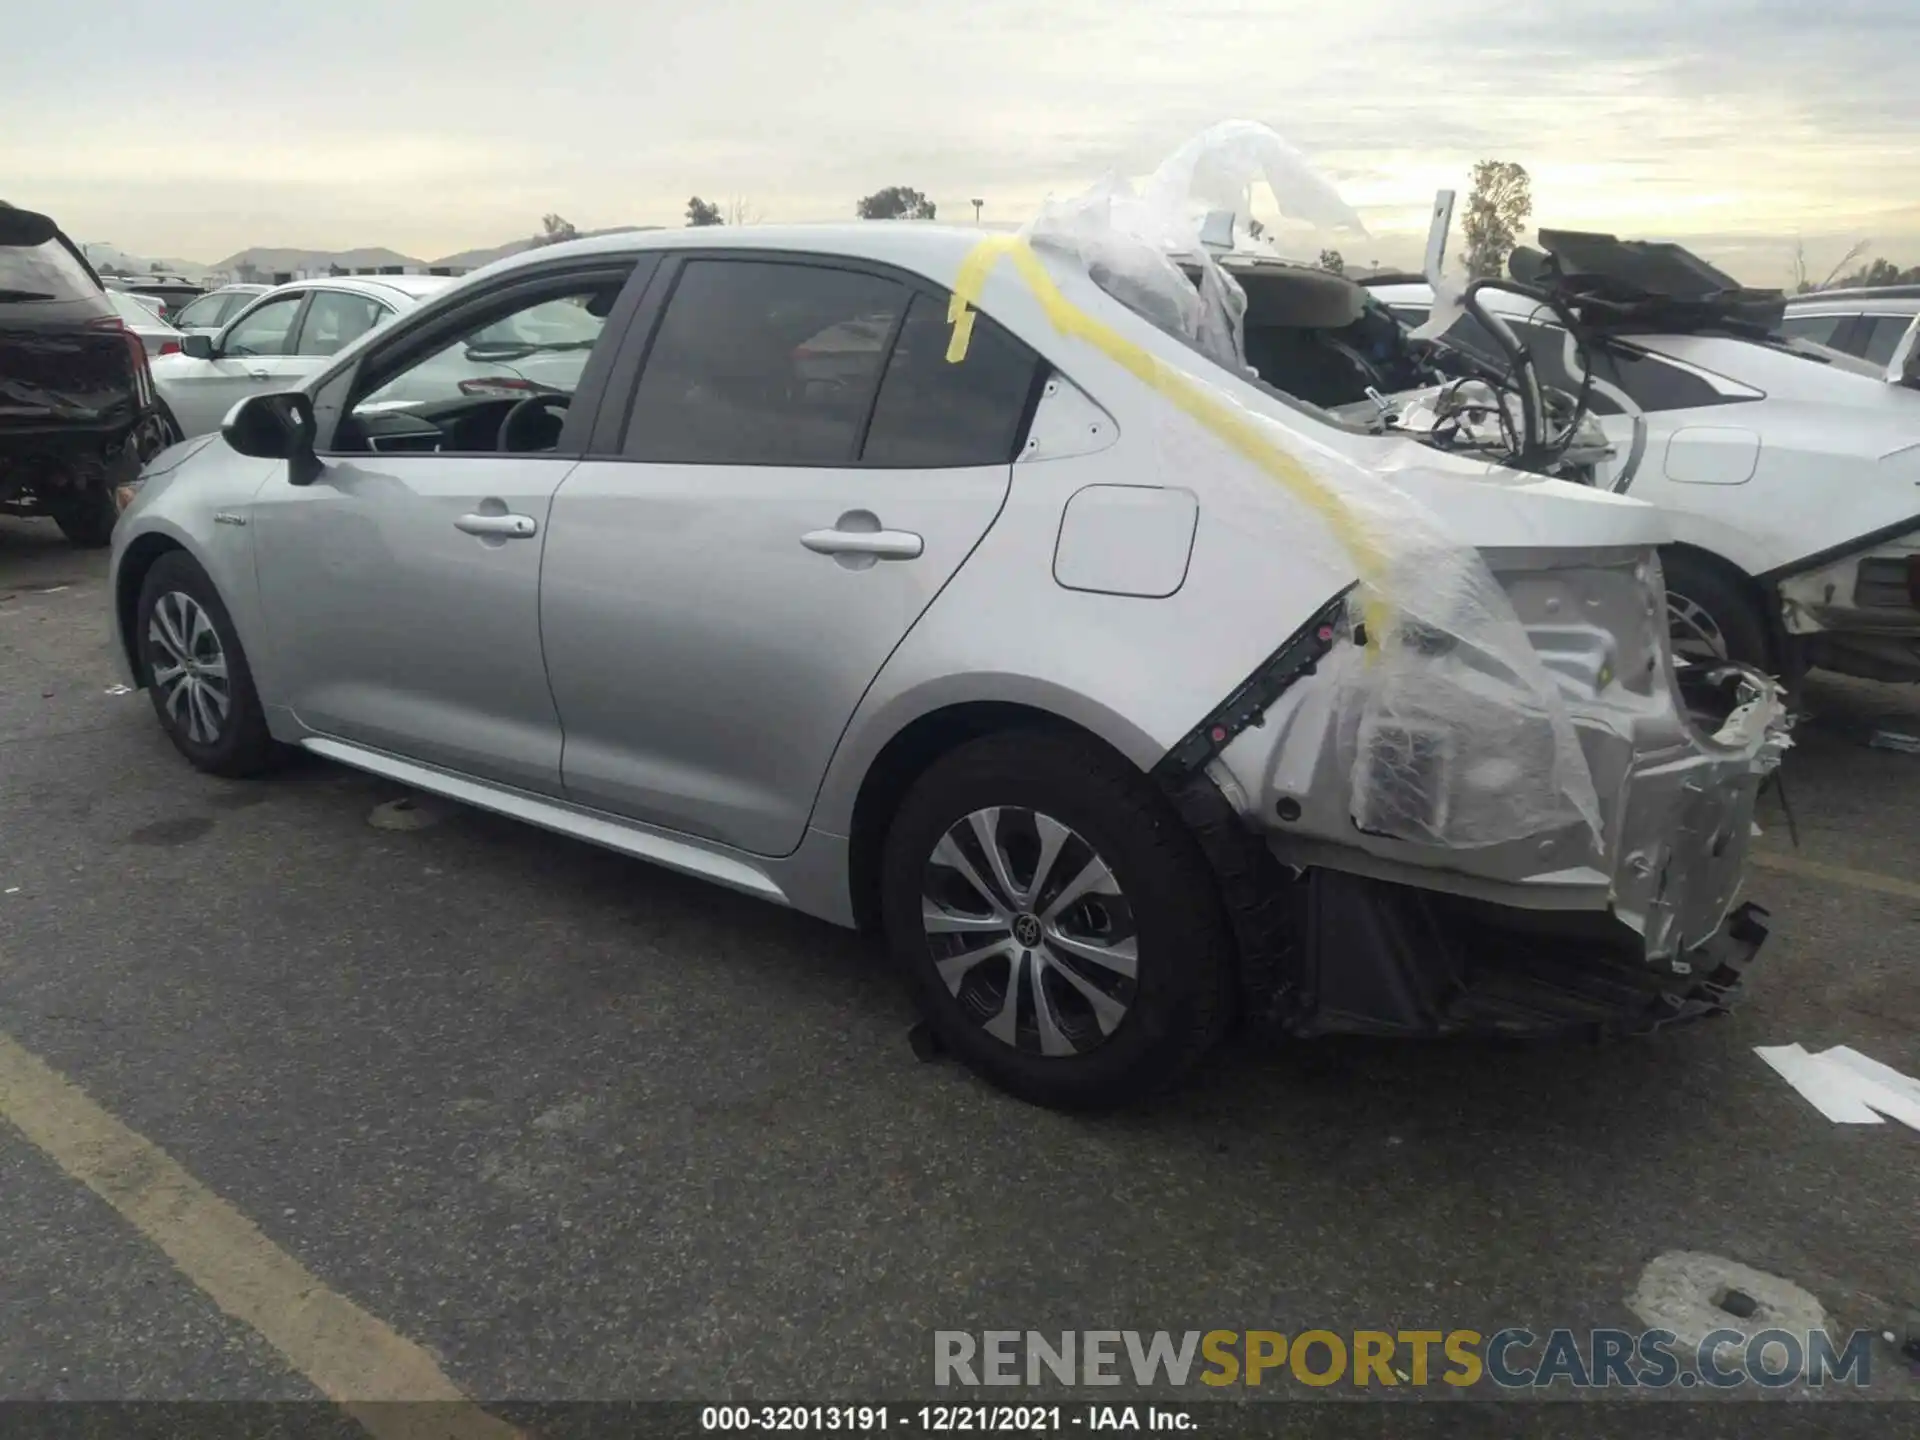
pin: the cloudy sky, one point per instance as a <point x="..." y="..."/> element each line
<point x="192" y="129"/>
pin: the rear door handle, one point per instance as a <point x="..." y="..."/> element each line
<point x="879" y="544"/>
<point x="503" y="527"/>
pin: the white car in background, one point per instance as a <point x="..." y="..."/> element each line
<point x="292" y="332"/>
<point x="141" y="315"/>
<point x="276" y="341"/>
<point x="213" y="309"/>
<point x="1790" y="471"/>
<point x="1878" y="326"/>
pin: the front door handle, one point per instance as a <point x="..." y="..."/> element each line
<point x="259" y="374"/>
<point x="499" y="527"/>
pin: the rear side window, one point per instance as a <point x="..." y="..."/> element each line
<point x="334" y="319"/>
<point x="42" y="272"/>
<point x="1879" y="336"/>
<point x="764" y="363"/>
<point x="935" y="414"/>
<point x="1820" y="329"/>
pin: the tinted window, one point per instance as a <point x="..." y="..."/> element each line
<point x="264" y="332"/>
<point x="335" y="318"/>
<point x="760" y="363"/>
<point x="1879" y="336"/>
<point x="932" y="413"/>
<point x="43" y="272"/>
<point x="1819" y="329"/>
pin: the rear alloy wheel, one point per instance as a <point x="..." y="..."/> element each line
<point x="1030" y="932"/>
<point x="1059" y="926"/>
<point x="197" y="674"/>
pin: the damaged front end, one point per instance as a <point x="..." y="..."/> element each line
<point x="1370" y="926"/>
<point x="1858" y="612"/>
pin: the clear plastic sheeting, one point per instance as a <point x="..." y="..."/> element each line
<point x="1453" y="731"/>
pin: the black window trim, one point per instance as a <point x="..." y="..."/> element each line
<point x="609" y="434"/>
<point x="430" y="326"/>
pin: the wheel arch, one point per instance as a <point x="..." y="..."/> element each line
<point x="908" y="754"/>
<point x="1764" y="599"/>
<point x="143" y="552"/>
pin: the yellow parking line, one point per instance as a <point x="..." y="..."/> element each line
<point x="347" y="1354"/>
<point x="1837" y="874"/>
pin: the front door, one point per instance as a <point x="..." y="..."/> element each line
<point x="254" y="354"/>
<point x="401" y="587"/>
<point x="716" y="601"/>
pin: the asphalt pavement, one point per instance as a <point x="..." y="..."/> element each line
<point x="579" y="1128"/>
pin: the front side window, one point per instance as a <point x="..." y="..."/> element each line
<point x="1880" y="336"/>
<point x="539" y="347"/>
<point x="263" y="331"/>
<point x="1820" y="329"/>
<point x="764" y="363"/>
<point x="335" y="319"/>
<point x="207" y="310"/>
<point x="933" y="412"/>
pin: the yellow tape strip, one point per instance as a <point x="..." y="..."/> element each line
<point x="1232" y="425"/>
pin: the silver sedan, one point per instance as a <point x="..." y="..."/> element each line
<point x="912" y="579"/>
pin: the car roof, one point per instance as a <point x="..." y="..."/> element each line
<point x="912" y="244"/>
<point x="1893" y="299"/>
<point x="379" y="287"/>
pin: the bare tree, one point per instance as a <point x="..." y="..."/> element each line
<point x="742" y="211"/>
<point x="1497" y="211"/>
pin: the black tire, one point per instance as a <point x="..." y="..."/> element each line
<point x="1705" y="595"/>
<point x="85" y="514"/>
<point x="1181" y="998"/>
<point x="240" y="745"/>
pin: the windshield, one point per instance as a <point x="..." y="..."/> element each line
<point x="131" y="310"/>
<point x="43" y="272"/>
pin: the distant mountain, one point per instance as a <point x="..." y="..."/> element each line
<point x="474" y="259"/>
<point x="268" y="259"/>
<point x="112" y="258"/>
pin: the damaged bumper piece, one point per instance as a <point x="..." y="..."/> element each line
<point x="1365" y="930"/>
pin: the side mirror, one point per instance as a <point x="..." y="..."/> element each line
<point x="198" y="346"/>
<point x="275" y="427"/>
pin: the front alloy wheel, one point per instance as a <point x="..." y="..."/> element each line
<point x="1029" y="931"/>
<point x="190" y="667"/>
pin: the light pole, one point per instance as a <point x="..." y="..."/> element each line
<point x="976" y="210"/>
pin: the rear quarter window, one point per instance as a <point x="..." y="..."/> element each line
<point x="935" y="413"/>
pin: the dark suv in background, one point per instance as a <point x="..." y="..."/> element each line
<point x="77" y="412"/>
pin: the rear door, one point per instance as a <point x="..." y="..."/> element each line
<point x="798" y="473"/>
